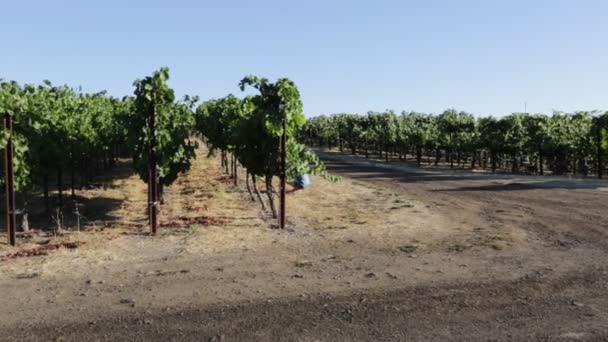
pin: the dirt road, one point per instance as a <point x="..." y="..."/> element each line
<point x="407" y="254"/>
<point x="557" y="211"/>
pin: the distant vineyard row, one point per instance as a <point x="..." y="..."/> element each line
<point x="562" y="142"/>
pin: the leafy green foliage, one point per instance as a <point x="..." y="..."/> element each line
<point x="59" y="131"/>
<point x="219" y="120"/>
<point x="301" y="160"/>
<point x="12" y="102"/>
<point x="173" y="123"/>
<point x="276" y="106"/>
<point x="557" y="141"/>
<point x="251" y="129"/>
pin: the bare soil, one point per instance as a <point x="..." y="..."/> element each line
<point x="390" y="253"/>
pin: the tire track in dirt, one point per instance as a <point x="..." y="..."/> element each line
<point x="575" y="309"/>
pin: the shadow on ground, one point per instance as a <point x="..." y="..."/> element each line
<point x="359" y="171"/>
<point x="91" y="209"/>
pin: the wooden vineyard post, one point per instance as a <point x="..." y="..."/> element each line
<point x="236" y="178"/>
<point x="11" y="222"/>
<point x="283" y="174"/>
<point x="149" y="200"/>
<point x="152" y="195"/>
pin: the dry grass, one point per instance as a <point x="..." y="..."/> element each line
<point x="354" y="210"/>
<point x="206" y="216"/>
<point x="203" y="192"/>
<point x="201" y="215"/>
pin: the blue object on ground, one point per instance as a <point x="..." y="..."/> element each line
<point x="302" y="181"/>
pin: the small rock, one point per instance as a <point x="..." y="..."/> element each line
<point x="371" y="275"/>
<point x="297" y="276"/>
<point x="127" y="301"/>
<point x="217" y="338"/>
<point x="390" y="275"/>
<point x="162" y="272"/>
<point x="88" y="282"/>
<point x="329" y="257"/>
<point x="27" y="275"/>
<point x="350" y="240"/>
<point x="577" y="304"/>
<point x="304" y="263"/>
<point x="573" y="335"/>
<point x="72" y="245"/>
<point x="408" y="248"/>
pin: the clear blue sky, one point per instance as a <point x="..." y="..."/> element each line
<point x="485" y="56"/>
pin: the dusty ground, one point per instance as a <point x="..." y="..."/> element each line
<point x="391" y="252"/>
